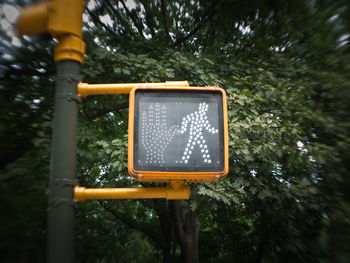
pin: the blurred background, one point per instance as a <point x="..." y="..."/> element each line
<point x="285" y="66"/>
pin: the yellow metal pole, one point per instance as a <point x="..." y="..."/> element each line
<point x="85" y="89"/>
<point x="175" y="190"/>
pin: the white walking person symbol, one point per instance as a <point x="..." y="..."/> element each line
<point x="198" y="121"/>
<point x="155" y="136"/>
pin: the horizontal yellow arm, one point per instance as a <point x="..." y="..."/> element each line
<point x="175" y="190"/>
<point x="85" y="89"/>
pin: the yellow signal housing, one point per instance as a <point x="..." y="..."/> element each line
<point x="57" y="17"/>
<point x="198" y="155"/>
<point x="33" y="19"/>
<point x="66" y="18"/>
<point x="62" y="19"/>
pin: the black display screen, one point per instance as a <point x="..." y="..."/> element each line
<point x="178" y="131"/>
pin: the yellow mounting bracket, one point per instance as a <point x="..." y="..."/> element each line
<point x="85" y="89"/>
<point x="174" y="190"/>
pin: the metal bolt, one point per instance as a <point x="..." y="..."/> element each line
<point x="217" y="177"/>
<point x="140" y="175"/>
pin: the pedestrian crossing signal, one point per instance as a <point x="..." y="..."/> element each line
<point x="178" y="134"/>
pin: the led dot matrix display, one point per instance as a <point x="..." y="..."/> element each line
<point x="178" y="132"/>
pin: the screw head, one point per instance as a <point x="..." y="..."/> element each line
<point x="140" y="175"/>
<point x="217" y="177"/>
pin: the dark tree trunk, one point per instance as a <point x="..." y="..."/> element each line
<point x="187" y="230"/>
<point x="263" y="238"/>
<point x="166" y="228"/>
<point x="334" y="232"/>
<point x="260" y="250"/>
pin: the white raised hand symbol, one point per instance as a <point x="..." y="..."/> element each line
<point x="156" y="136"/>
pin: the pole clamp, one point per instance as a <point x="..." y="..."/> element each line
<point x="69" y="77"/>
<point x="61" y="201"/>
<point x="75" y="79"/>
<point x="65" y="182"/>
<point x="70" y="97"/>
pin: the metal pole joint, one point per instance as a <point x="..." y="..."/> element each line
<point x="64" y="182"/>
<point x="70" y="47"/>
<point x="61" y="201"/>
<point x="69" y="97"/>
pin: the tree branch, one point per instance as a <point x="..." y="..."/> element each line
<point x="116" y="107"/>
<point x="130" y="223"/>
<point x="97" y="20"/>
<point x="149" y="19"/>
<point x="137" y="25"/>
<point x="165" y="22"/>
<point x="15" y="153"/>
<point x="200" y="24"/>
<point x="18" y="150"/>
<point x="122" y="21"/>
